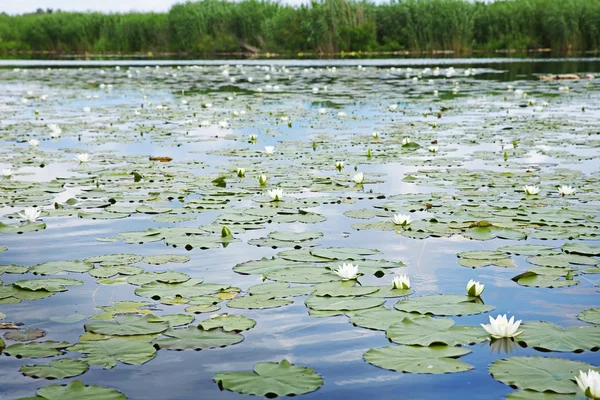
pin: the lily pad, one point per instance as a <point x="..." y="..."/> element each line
<point x="57" y="369"/>
<point x="165" y="258"/>
<point x="271" y="379"/>
<point x="342" y="303"/>
<point x="419" y="360"/>
<point x="192" y="338"/>
<point x="443" y="304"/>
<point x="434" y="331"/>
<point x="36" y="349"/>
<point x="25" y="335"/>
<point x="60" y="267"/>
<point x="539" y="373"/>
<point x="127" y="325"/>
<point x="49" y="285"/>
<point x="592" y="315"/>
<point x="581" y="248"/>
<point x="228" y="323"/>
<point x="258" y="302"/>
<point x="547" y="336"/>
<point x="107" y="352"/>
<point x="77" y="390"/>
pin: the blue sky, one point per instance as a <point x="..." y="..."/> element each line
<point x="23" y="6"/>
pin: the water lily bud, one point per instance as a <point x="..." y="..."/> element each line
<point x="241" y="172"/>
<point x="369" y="153"/>
<point x="225" y="231"/>
<point x="474" y="288"/>
<point x="262" y="179"/>
<point x="569" y="276"/>
<point x="401" y="282"/>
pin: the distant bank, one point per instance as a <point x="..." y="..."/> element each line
<point x="324" y="26"/>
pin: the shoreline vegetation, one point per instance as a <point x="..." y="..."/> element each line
<point x="341" y="28"/>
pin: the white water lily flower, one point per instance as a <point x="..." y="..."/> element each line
<point x="33" y="142"/>
<point x="401" y="219"/>
<point x="262" y="179"/>
<point x="405" y="141"/>
<point x="589" y="383"/>
<point x="82" y="157"/>
<point x="253" y="138"/>
<point x="322" y="111"/>
<point x="474" y="288"/>
<point x="501" y="327"/>
<point x="55" y="131"/>
<point x="341" y="114"/>
<point x="393" y="107"/>
<point x="531" y="189"/>
<point x="275" y="194"/>
<point x="224" y="124"/>
<point x="347" y="271"/>
<point x="565" y="190"/>
<point x="269" y="149"/>
<point x="339" y="164"/>
<point x="205" y="123"/>
<point x="30" y="214"/>
<point x="241" y="172"/>
<point x="7" y="173"/>
<point x="86" y="109"/>
<point x="358" y="178"/>
<point x="375" y="135"/>
<point x="433" y="149"/>
<point x="401" y="282"/>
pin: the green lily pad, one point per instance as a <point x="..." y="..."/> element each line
<point x="343" y="253"/>
<point x="36" y="349"/>
<point x="303" y="275"/>
<point x="434" y="331"/>
<point x="109" y="271"/>
<point x="165" y="258"/>
<point x="258" y="302"/>
<point x="443" y="304"/>
<point x="127" y="325"/>
<point x="294" y="236"/>
<point x="539" y="373"/>
<point x="187" y="289"/>
<point x="49" y="285"/>
<point x="546" y="277"/>
<point x="57" y="369"/>
<point x="280" y="289"/>
<point x="77" y="390"/>
<point x="419" y="360"/>
<point x="581" y="248"/>
<point x="343" y="289"/>
<point x="529" y="250"/>
<point x="172" y="319"/>
<point x="116" y="259"/>
<point x="228" y="323"/>
<point x="107" y="352"/>
<point x="60" y="267"/>
<point x="163" y="277"/>
<point x="342" y="303"/>
<point x="591" y="315"/>
<point x="547" y="336"/>
<point x="533" y="395"/>
<point x="380" y="318"/>
<point x="271" y="379"/>
<point x="21" y="228"/>
<point x="192" y="338"/>
<point x="121" y="307"/>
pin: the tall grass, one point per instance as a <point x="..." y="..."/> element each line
<point x="209" y="26"/>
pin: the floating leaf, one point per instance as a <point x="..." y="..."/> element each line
<point x="443" y="304"/>
<point x="165" y="258"/>
<point x="592" y="315"/>
<point x="258" y="302"/>
<point x="49" y="285"/>
<point x="36" y="349"/>
<point x="419" y="360"/>
<point x="430" y="331"/>
<point x="77" y="390"/>
<point x="192" y="338"/>
<point x="25" y="335"/>
<point x="342" y="303"/>
<point x="58" y="369"/>
<point x="539" y="373"/>
<point x="116" y="259"/>
<point x="271" y="379"/>
<point x="107" y="352"/>
<point x="60" y="267"/>
<point x="121" y="307"/>
<point x="547" y="336"/>
<point x="581" y="248"/>
<point x="228" y="323"/>
<point x="127" y="325"/>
